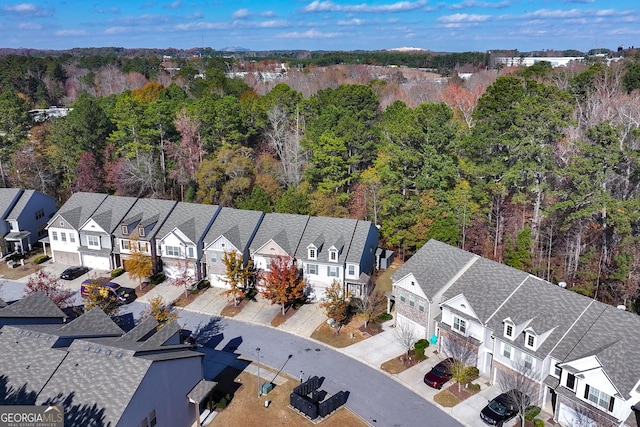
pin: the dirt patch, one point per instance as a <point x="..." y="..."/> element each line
<point x="246" y="406"/>
<point x="232" y="309"/>
<point x="345" y="336"/>
<point x="454" y="394"/>
<point x="280" y="318"/>
<point x="20" y="271"/>
<point x="401" y="363"/>
<point x="382" y="278"/>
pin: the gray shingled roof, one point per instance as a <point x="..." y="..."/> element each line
<point x="34" y="305"/>
<point x="201" y="391"/>
<point x="147" y="211"/>
<point x="192" y="219"/>
<point x="20" y="204"/>
<point x="93" y="322"/>
<point x="434" y="265"/>
<point x="357" y="247"/>
<point x="486" y="284"/>
<point x="8" y="197"/>
<point x="284" y="229"/>
<point x="325" y="232"/>
<point x="141" y="331"/>
<point x="111" y="211"/>
<point x="546" y="307"/>
<point x="235" y="225"/>
<point x="78" y="208"/>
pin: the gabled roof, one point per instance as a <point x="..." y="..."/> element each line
<point x="192" y="219"/>
<point x="357" y="247"/>
<point x="78" y="208"/>
<point x="434" y="265"/>
<point x="92" y="323"/>
<point x="323" y="233"/>
<point x="284" y="229"/>
<point x="236" y="225"/>
<point x="148" y="212"/>
<point x="8" y="197"/>
<point x="111" y="211"/>
<point x="546" y="307"/>
<point x="486" y="285"/>
<point x="34" y="305"/>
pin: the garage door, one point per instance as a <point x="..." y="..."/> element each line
<point x="419" y="330"/>
<point x="218" y="281"/>
<point x="569" y="417"/>
<point x="68" y="258"/>
<point x="174" y="271"/>
<point x="96" y="262"/>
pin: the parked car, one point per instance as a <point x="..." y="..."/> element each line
<point x="73" y="272"/>
<point x="108" y="289"/>
<point x="439" y="374"/>
<point x="503" y="408"/>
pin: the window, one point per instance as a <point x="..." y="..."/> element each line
<point x="507" y="350"/>
<point x="421" y="305"/>
<point x="599" y="398"/>
<point x="141" y="231"/>
<point x="333" y="255"/>
<point x="61" y="223"/>
<point x="152" y="418"/>
<point x="213" y="257"/>
<point x="460" y="325"/>
<point x="93" y="242"/>
<point x="145" y="422"/>
<point x="54" y="235"/>
<point x="530" y="340"/>
<point x="557" y="372"/>
<point x="312" y="268"/>
<point x="39" y="213"/>
<point x="190" y="251"/>
<point x="143" y="246"/>
<point x="172" y="250"/>
<point x="571" y="381"/>
<point x="312" y="253"/>
<point x="72" y="238"/>
<point x="63" y="236"/>
<point x="528" y="361"/>
<point x="403" y="297"/>
<point x="332" y="271"/>
<point x="352" y="270"/>
<point x="508" y="329"/>
<point x="124" y="229"/>
<point x="412" y="300"/>
<point x="124" y="244"/>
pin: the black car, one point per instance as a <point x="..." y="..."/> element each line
<point x="503" y="408"/>
<point x="73" y="272"/>
<point x="439" y="374"/>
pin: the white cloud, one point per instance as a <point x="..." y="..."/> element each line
<point x="174" y="5"/>
<point x="485" y="5"/>
<point x="354" y="21"/>
<point x="116" y="30"/>
<point x="329" y="6"/>
<point x="463" y="17"/>
<point x="70" y="33"/>
<point x="311" y="34"/>
<point x="241" y="14"/>
<point x="27" y="9"/>
<point x="203" y="26"/>
<point x="268" y="14"/>
<point x="30" y="26"/>
<point x="271" y="24"/>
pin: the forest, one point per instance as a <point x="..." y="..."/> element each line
<point x="534" y="167"/>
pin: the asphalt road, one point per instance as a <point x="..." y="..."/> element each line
<point x="378" y="399"/>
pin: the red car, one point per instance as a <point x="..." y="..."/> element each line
<point x="439" y="374"/>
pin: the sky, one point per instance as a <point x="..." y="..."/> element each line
<point x="444" y="26"/>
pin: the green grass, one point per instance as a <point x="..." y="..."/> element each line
<point x="383" y="282"/>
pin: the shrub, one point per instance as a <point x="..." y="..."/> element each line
<point x="40" y="259"/>
<point x="15" y="257"/>
<point x="472" y="373"/>
<point x="222" y="403"/>
<point x="531" y="413"/>
<point x="203" y="284"/>
<point x="538" y="423"/>
<point x="384" y="317"/>
<point x="419" y="348"/>
<point x="157" y="278"/>
<point x="474" y="388"/>
<point x="117" y="272"/>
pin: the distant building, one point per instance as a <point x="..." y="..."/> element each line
<point x="517" y="61"/>
<point x="43" y="114"/>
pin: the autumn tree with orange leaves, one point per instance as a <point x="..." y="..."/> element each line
<point x="282" y="283"/>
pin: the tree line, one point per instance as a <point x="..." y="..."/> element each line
<point x="536" y="168"/>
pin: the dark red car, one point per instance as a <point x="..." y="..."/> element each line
<point x="439" y="374"/>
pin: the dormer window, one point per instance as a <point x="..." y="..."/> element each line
<point x="141" y="232"/>
<point x="530" y="340"/>
<point x="509" y="329"/>
<point x="312" y="253"/>
<point x="333" y="255"/>
<point x="124" y="230"/>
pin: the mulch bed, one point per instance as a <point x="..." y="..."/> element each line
<point x="401" y="363"/>
<point x="371" y="329"/>
<point x="231" y="309"/>
<point x="279" y="318"/>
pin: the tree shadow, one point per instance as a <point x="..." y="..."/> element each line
<point x="209" y="334"/>
<point x="79" y="415"/>
<point x="15" y="396"/>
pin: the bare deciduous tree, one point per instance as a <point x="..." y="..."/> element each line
<point x="521" y="385"/>
<point x="139" y="176"/>
<point x="464" y="354"/>
<point x="370" y="305"/>
<point x="406" y="333"/>
<point x="284" y="137"/>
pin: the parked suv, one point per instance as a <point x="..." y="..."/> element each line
<point x="503" y="408"/>
<point x="109" y="290"/>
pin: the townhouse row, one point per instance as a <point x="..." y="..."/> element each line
<point x="582" y="356"/>
<point x="102" y="232"/>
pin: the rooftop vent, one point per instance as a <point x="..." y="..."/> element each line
<point x="562" y="284"/>
<point x="621" y="307"/>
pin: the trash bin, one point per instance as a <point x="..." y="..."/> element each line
<point x="266" y="388"/>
